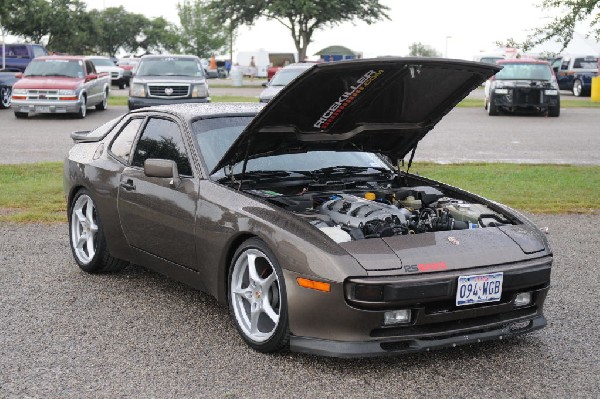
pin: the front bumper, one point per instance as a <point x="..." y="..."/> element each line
<point x="141" y="102"/>
<point x="416" y="344"/>
<point x="526" y="98"/>
<point x="341" y="324"/>
<point x="46" y="107"/>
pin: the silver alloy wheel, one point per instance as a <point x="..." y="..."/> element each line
<point x="5" y="97"/>
<point x="255" y="295"/>
<point x="577" y="88"/>
<point x="84" y="227"/>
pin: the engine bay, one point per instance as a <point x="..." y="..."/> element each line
<point x="349" y="215"/>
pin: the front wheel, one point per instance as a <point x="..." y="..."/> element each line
<point x="257" y="297"/>
<point x="86" y="237"/>
<point x="5" y="97"/>
<point x="492" y="108"/>
<point x="83" y="109"/>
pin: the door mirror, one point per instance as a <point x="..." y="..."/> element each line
<point x="91" y="76"/>
<point x="265" y="84"/>
<point x="163" y="168"/>
<point x="19" y="75"/>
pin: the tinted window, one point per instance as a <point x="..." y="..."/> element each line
<point x="90" y="67"/>
<point x="121" y="146"/>
<point x="161" y="139"/>
<point x="170" y="66"/>
<point x="16" y="51"/>
<point x="586" y="63"/>
<point x="524" y="71"/>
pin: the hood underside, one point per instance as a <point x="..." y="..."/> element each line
<point x="376" y="105"/>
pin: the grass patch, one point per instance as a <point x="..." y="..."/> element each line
<point x="34" y="192"/>
<point x="530" y="188"/>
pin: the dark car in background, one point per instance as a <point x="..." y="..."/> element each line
<point x="7" y="80"/>
<point x="168" y="79"/>
<point x="575" y="73"/>
<point x="523" y="85"/>
<point x="18" y="56"/>
<point x="294" y="215"/>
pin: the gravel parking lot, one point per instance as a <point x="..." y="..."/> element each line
<point x="136" y="334"/>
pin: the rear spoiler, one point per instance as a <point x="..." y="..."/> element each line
<point x="84" y="136"/>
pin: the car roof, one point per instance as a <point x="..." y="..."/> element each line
<point x="191" y="111"/>
<point x="60" y="57"/>
<point x="160" y="57"/>
<point x="95" y="57"/>
<point x="521" y="61"/>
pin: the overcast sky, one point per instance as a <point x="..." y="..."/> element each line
<point x="458" y="29"/>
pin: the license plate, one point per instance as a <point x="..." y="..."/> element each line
<point x="480" y="288"/>
<point x="42" y="109"/>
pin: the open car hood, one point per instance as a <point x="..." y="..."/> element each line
<point x="373" y="105"/>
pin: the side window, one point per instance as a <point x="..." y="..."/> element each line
<point x="121" y="146"/>
<point x="565" y="65"/>
<point x="556" y="64"/>
<point x="90" y="67"/>
<point x="38" y="51"/>
<point x="161" y="139"/>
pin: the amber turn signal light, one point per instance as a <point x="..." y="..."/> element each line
<point x="313" y="285"/>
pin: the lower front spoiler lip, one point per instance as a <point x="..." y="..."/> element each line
<point x="390" y="347"/>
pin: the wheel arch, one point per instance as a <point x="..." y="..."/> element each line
<point x="223" y="275"/>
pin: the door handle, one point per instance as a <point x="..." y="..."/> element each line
<point x="128" y="185"/>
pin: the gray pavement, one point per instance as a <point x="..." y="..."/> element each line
<point x="67" y="334"/>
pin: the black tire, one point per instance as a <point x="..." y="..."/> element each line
<point x="100" y="261"/>
<point x="122" y="85"/>
<point x="104" y="104"/>
<point x="5" y="97"/>
<point x="554" y="111"/>
<point x="273" y="294"/>
<point x="82" y="110"/>
<point x="491" y="107"/>
<point x="21" y="115"/>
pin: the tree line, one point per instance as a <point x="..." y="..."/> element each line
<point x="67" y="26"/>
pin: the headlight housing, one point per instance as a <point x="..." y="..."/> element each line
<point x="501" y="91"/>
<point x="551" y="92"/>
<point x="200" y="90"/>
<point x="19" y="91"/>
<point x="137" y="90"/>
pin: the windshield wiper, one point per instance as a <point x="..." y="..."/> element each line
<point x="266" y="176"/>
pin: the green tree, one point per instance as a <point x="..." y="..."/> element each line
<point x="419" y="49"/>
<point x="302" y="17"/>
<point x="29" y="19"/>
<point x="159" y="35"/>
<point x="116" y="28"/>
<point x="71" y="27"/>
<point x="562" y="27"/>
<point x="201" y="33"/>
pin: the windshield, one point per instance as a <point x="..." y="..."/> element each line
<point x="285" y="76"/>
<point x="524" y="71"/>
<point x="67" y="68"/>
<point x="215" y="136"/>
<point x="102" y="62"/>
<point x="170" y="66"/>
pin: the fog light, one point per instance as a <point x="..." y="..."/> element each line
<point x="523" y="299"/>
<point x="397" y="317"/>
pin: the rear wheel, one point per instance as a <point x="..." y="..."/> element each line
<point x="87" y="239"/>
<point x="5" y="96"/>
<point x="257" y="297"/>
<point x="104" y="104"/>
<point x="577" y="88"/>
<point x="491" y="107"/>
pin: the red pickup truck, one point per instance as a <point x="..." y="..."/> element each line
<point x="60" y="84"/>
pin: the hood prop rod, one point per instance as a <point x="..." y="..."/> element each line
<point x="412" y="155"/>
<point x="244" y="165"/>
